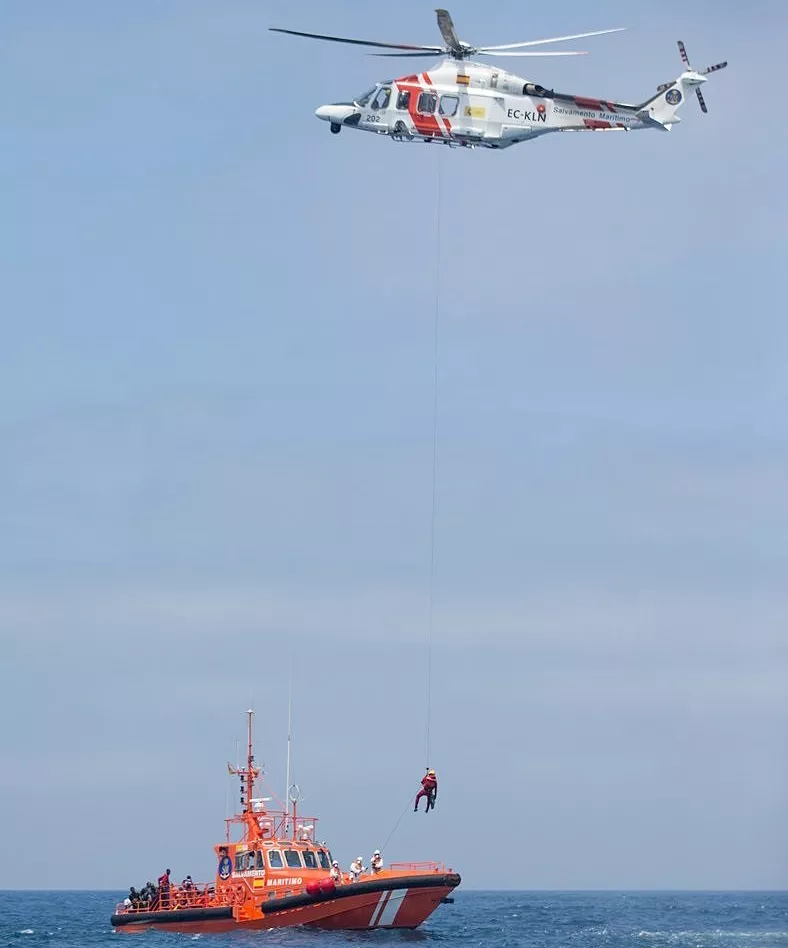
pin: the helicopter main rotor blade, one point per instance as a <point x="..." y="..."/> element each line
<point x="552" y="39"/>
<point x="420" y="55"/>
<point x="574" y="52"/>
<point x="356" y="42"/>
<point x="449" y="34"/>
<point x="701" y="100"/>
<point x="683" y="54"/>
<point x="555" y="52"/>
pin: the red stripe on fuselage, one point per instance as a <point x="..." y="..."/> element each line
<point x="426" y="125"/>
<point x="588" y="103"/>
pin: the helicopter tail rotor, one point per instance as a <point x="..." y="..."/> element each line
<point x="700" y="74"/>
<point x="690" y="79"/>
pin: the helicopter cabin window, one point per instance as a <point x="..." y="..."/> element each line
<point x="449" y="105"/>
<point x="293" y="859"/>
<point x="309" y="859"/>
<point x="274" y="859"/>
<point x="325" y="863"/>
<point x="403" y="100"/>
<point x="362" y="101"/>
<point x="381" y="100"/>
<point x="427" y="103"/>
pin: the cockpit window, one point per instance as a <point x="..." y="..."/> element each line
<point x="362" y="100"/>
<point x="403" y="100"/>
<point x="324" y="863"/>
<point x="293" y="859"/>
<point x="381" y="100"/>
<point x="274" y="859"/>
<point x="309" y="859"/>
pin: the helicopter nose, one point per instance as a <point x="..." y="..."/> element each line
<point x="337" y="113"/>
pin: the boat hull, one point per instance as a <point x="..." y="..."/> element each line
<point x="403" y="902"/>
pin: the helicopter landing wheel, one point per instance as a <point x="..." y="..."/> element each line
<point x="336" y="128"/>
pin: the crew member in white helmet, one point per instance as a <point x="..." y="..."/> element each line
<point x="376" y="863"/>
<point x="357" y="867"/>
<point x="336" y="873"/>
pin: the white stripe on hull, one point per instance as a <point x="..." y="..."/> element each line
<point x="376" y="912"/>
<point x="386" y="917"/>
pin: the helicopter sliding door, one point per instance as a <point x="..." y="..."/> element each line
<point x="479" y="116"/>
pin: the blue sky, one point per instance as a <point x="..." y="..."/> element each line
<point x="216" y="450"/>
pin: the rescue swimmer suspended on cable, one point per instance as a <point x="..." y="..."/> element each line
<point x="429" y="789"/>
<point x="462" y="103"/>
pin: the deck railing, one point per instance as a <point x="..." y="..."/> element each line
<point x="279" y="824"/>
<point x="417" y="866"/>
<point x="199" y="895"/>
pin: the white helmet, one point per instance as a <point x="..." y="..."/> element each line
<point x="376" y="853"/>
<point x="359" y="858"/>
<point x="335" y="863"/>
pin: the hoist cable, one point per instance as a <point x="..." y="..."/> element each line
<point x="436" y="326"/>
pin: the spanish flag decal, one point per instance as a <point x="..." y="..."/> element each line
<point x="463" y="80"/>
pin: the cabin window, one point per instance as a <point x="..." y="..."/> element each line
<point x="324" y="860"/>
<point x="427" y="103"/>
<point x="403" y="100"/>
<point x="381" y="100"/>
<point x="274" y="859"/>
<point x="258" y="863"/>
<point x="364" y="98"/>
<point x="293" y="859"/>
<point x="240" y="862"/>
<point x="449" y="105"/>
<point x="309" y="859"/>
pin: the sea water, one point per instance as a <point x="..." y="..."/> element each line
<point x="498" y="919"/>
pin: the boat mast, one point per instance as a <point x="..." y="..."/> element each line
<point x="249" y="767"/>
<point x="246" y="776"/>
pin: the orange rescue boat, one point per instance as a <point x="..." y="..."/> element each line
<point x="277" y="875"/>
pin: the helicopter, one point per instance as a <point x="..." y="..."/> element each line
<point x="463" y="103"/>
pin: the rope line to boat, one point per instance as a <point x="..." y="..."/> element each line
<point x="436" y="325"/>
<point x="396" y="825"/>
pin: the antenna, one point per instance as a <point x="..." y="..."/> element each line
<point x="289" y="738"/>
<point x="294" y="795"/>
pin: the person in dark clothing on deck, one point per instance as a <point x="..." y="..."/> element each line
<point x="164" y="890"/>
